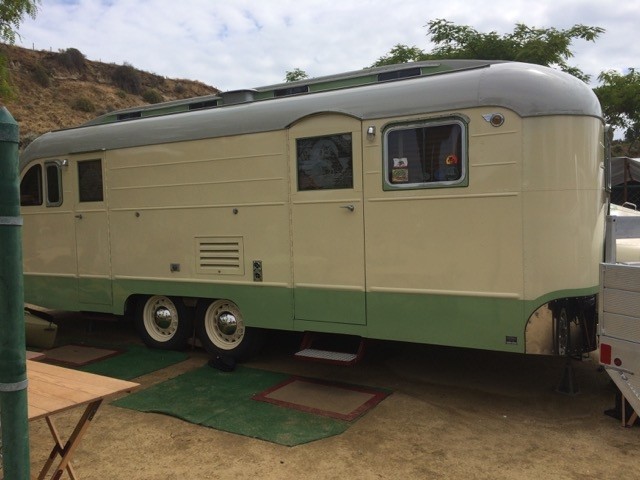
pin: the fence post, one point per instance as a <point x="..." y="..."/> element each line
<point x="13" y="370"/>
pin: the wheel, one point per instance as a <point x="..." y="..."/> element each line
<point x="221" y="329"/>
<point x="163" y="322"/>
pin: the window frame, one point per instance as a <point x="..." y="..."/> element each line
<point x="463" y="181"/>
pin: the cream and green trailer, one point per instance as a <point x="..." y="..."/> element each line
<point x="454" y="203"/>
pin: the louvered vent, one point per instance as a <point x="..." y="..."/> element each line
<point x="220" y="255"/>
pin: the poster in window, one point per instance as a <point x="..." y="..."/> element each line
<point x="325" y="162"/>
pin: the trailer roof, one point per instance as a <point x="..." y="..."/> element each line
<point x="529" y="90"/>
<point x="350" y="79"/>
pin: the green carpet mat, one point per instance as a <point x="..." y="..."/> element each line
<point x="134" y="361"/>
<point x="222" y="400"/>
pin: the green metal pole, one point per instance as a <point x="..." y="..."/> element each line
<point x="13" y="369"/>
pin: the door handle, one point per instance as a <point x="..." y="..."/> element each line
<point x="351" y="208"/>
<point x="79" y="216"/>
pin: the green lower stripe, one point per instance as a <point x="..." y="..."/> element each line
<point x="334" y="306"/>
<point x="475" y="322"/>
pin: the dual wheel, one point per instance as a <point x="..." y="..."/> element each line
<point x="166" y="323"/>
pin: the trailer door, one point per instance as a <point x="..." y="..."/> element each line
<point x="92" y="230"/>
<point x="327" y="219"/>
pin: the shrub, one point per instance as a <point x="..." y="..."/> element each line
<point x="126" y="77"/>
<point x="41" y="76"/>
<point x="73" y="59"/>
<point x="179" y="89"/>
<point x="83" y="104"/>
<point x="151" y="95"/>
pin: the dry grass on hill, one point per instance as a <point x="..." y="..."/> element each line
<point x="54" y="90"/>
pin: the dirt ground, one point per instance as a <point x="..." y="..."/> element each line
<point x="454" y="413"/>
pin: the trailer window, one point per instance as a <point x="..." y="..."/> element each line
<point x="325" y="162"/>
<point x="54" y="185"/>
<point x="31" y="187"/>
<point x="424" y="156"/>
<point x="90" y="181"/>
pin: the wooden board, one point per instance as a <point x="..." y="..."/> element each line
<point x="53" y="389"/>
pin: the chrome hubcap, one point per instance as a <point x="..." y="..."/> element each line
<point x="227" y="323"/>
<point x="163" y="317"/>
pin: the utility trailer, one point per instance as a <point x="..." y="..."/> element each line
<point x="619" y="315"/>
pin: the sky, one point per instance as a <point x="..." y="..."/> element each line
<point x="235" y="44"/>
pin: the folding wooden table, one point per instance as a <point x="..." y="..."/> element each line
<point x="52" y="390"/>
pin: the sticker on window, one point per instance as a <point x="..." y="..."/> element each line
<point x="400" y="171"/>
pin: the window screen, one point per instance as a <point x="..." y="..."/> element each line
<point x="31" y="187"/>
<point x="325" y="162"/>
<point x="428" y="155"/>
<point x="90" y="181"/>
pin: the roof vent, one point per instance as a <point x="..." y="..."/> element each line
<point x="129" y="116"/>
<point x="238" y="96"/>
<point x="284" y="92"/>
<point x="398" y="74"/>
<point x="201" y="105"/>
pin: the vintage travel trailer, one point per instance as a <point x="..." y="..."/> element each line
<point x="455" y="203"/>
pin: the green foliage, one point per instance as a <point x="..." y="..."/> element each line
<point x="11" y="14"/>
<point x="542" y="46"/>
<point x="41" y="76"/>
<point x="295" y="75"/>
<point x="72" y="59"/>
<point x="151" y="95"/>
<point x="83" y="104"/>
<point x="401" y="54"/>
<point x="619" y="96"/>
<point x="127" y="78"/>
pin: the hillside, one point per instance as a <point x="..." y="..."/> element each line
<point x="54" y="90"/>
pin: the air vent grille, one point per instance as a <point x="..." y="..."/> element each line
<point x="220" y="255"/>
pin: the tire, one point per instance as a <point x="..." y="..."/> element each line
<point x="221" y="329"/>
<point x="163" y="322"/>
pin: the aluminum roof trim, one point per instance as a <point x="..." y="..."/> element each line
<point x="528" y="90"/>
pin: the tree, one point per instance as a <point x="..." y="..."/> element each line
<point x="542" y="46"/>
<point x="619" y="96"/>
<point x="402" y="54"/>
<point x="295" y="75"/>
<point x="11" y="14"/>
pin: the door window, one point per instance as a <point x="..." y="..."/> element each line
<point x="90" y="181"/>
<point x="324" y="163"/>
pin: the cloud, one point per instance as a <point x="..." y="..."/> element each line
<point x="245" y="43"/>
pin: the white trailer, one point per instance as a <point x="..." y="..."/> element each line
<point x="619" y="314"/>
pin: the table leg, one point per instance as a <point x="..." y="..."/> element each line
<point x="69" y="448"/>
